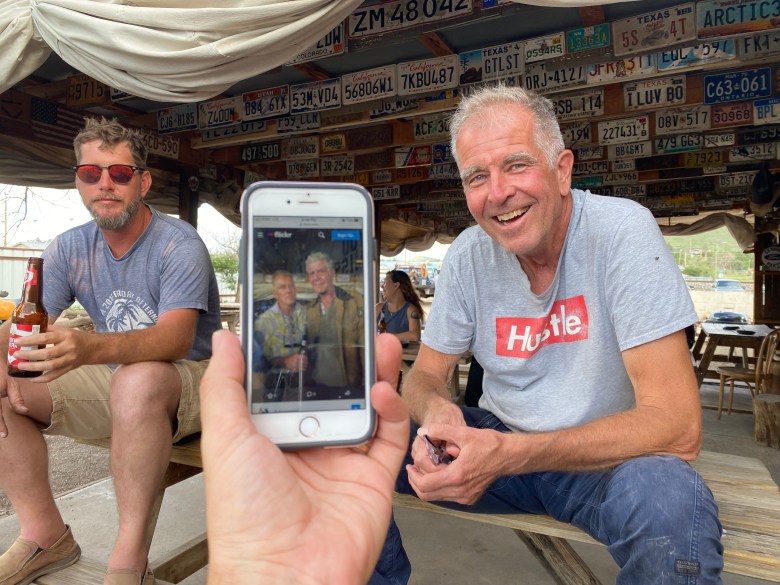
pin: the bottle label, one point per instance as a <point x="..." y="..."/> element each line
<point x="31" y="276"/>
<point x="18" y="331"/>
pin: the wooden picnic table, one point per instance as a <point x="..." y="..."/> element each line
<point x="729" y="336"/>
<point x="409" y="354"/>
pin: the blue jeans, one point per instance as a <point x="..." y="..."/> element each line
<point x="655" y="514"/>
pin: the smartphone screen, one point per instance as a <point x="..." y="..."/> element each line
<point x="309" y="308"/>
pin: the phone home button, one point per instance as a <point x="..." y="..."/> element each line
<point x="309" y="426"/>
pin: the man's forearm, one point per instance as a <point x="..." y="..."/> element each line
<point x="421" y="392"/>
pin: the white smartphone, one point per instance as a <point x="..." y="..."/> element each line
<point x="307" y="306"/>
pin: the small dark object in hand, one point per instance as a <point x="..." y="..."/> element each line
<point x="436" y="452"/>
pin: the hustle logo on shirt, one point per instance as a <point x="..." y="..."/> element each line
<point x="522" y="337"/>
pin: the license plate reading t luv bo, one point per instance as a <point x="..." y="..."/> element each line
<point x="624" y="130"/>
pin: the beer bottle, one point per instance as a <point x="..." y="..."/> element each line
<point x="28" y="318"/>
<point x="382" y="326"/>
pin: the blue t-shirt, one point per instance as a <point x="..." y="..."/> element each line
<point x="554" y="360"/>
<point x="167" y="268"/>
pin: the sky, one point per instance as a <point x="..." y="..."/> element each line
<point x="49" y="212"/>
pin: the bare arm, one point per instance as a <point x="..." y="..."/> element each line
<point x="666" y="420"/>
<point x="424" y="388"/>
<point x="413" y="317"/>
<point x="169" y="339"/>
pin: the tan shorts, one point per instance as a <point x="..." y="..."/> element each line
<point x="81" y="407"/>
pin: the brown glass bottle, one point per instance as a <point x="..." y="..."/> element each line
<point x="28" y="318"/>
<point x="382" y="327"/>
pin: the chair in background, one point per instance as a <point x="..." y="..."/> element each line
<point x="754" y="378"/>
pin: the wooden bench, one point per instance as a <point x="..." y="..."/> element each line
<point x="748" y="500"/>
<point x="747" y="497"/>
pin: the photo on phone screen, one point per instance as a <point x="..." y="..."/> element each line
<point x="310" y="309"/>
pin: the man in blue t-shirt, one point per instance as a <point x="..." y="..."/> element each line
<point x="147" y="282"/>
<point x="575" y="308"/>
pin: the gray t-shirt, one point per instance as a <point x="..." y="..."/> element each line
<point x="167" y="268"/>
<point x="553" y="360"/>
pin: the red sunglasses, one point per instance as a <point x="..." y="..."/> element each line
<point x="120" y="174"/>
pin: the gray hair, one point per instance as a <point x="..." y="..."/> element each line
<point x="317" y="257"/>
<point x="111" y="133"/>
<point x="547" y="132"/>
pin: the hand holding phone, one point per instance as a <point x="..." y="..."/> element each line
<point x="307" y="278"/>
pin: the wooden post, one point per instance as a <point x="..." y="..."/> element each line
<point x="766" y="410"/>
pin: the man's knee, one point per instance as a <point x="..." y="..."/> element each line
<point x="144" y="388"/>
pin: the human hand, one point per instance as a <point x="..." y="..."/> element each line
<point x="296" y="362"/>
<point x="477" y="463"/>
<point x="313" y="516"/>
<point x="66" y="349"/>
<point x="9" y="388"/>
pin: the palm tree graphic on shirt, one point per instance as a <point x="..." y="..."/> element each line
<point x="126" y="315"/>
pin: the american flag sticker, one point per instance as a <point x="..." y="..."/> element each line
<point x="54" y="124"/>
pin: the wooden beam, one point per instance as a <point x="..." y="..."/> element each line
<point x="316" y="72"/>
<point x="590" y="15"/>
<point x="434" y="42"/>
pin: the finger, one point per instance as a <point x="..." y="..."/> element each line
<point x="388" y="358"/>
<point x="3" y="427"/>
<point x="16" y="399"/>
<point x="222" y="394"/>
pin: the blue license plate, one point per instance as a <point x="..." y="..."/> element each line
<point x="738" y="85"/>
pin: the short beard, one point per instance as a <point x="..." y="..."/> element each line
<point x="116" y="222"/>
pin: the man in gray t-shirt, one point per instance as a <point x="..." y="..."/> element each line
<point x="147" y="282"/>
<point x="575" y="308"/>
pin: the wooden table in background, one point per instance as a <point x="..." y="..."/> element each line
<point x="725" y="335"/>
<point x="408" y="356"/>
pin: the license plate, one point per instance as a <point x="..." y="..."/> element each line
<point x="427" y="75"/>
<point x="738" y="114"/>
<point x="620" y="178"/>
<point x="332" y="143"/>
<point x="685" y="119"/>
<point x="588" y="38"/>
<point x="84" y="90"/>
<point x="543" y="48"/>
<point x="431" y="127"/>
<point x="298" y="123"/>
<point x="703" y="159"/>
<point x="622" y="69"/>
<point x="631" y="150"/>
<point x="384" y="176"/>
<point x="659" y="28"/>
<point x="177" y="118"/>
<point x="595" y="167"/>
<point x="261" y="152"/>
<point x="624" y="130"/>
<point x="678" y="143"/>
<point x="726" y="17"/>
<point x="546" y="77"/>
<point x="732" y="180"/>
<point x="491" y="63"/>
<point x="304" y="147"/>
<point x="590" y="153"/>
<point x="766" y="111"/>
<point x="442" y="153"/>
<point x="333" y="43"/>
<point x="621" y="166"/>
<point x="265" y="103"/>
<point x="166" y="146"/>
<point x="582" y="105"/>
<point x="753" y="152"/>
<point x="237" y="130"/>
<point x="413" y="156"/>
<point x="337" y="166"/>
<point x="303" y="169"/>
<point x="756" y="135"/>
<point x="651" y="93"/>
<point x="315" y="96"/>
<point x="411" y="174"/>
<point x="443" y="171"/>
<point x="386" y="192"/>
<point x="629" y="190"/>
<point x="390" y="16"/>
<point x="704" y="54"/>
<point x="392" y="107"/>
<point x="738" y="85"/>
<point x="586" y="182"/>
<point x="217" y="113"/>
<point x="759" y="45"/>
<point x="576" y="133"/>
<point x="719" y="140"/>
<point x="365" y="86"/>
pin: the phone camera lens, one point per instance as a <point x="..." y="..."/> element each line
<point x="288" y="202"/>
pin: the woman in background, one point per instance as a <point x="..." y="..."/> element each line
<point x="401" y="310"/>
